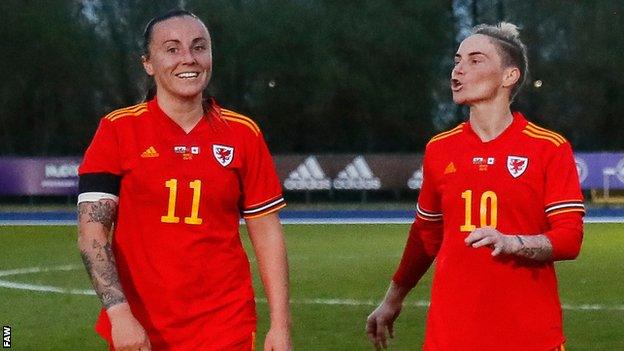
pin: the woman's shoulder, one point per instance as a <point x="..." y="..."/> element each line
<point x="125" y="112"/>
<point x="543" y="135"/>
<point x="239" y="121"/>
<point x="448" y="135"/>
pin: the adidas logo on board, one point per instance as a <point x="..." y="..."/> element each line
<point x="308" y="176"/>
<point x="357" y="175"/>
<point x="415" y="181"/>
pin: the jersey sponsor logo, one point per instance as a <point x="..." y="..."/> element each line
<point x="179" y="149"/>
<point x="450" y="168"/>
<point x="150" y="152"/>
<point x="195" y="150"/>
<point x="416" y="180"/>
<point x="223" y="154"/>
<point x="516" y="165"/>
<point x="357" y="175"/>
<point x="308" y="176"/>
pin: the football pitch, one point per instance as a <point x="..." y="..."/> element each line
<point x="338" y="274"/>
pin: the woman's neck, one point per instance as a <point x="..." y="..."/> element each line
<point x="489" y="121"/>
<point x="184" y="112"/>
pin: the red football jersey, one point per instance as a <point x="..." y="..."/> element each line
<point x="176" y="241"/>
<point x="523" y="182"/>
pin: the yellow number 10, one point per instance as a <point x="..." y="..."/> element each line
<point x="172" y="184"/>
<point x="486" y="197"/>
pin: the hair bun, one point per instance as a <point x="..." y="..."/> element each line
<point x="509" y="29"/>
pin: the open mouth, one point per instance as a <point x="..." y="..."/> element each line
<point x="188" y="75"/>
<point x="456" y="85"/>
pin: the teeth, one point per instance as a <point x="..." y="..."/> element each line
<point x="188" y="75"/>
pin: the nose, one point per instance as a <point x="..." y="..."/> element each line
<point x="458" y="69"/>
<point x="188" y="58"/>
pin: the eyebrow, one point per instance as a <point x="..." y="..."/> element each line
<point x="474" y="53"/>
<point x="177" y="41"/>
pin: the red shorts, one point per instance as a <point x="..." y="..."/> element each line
<point x="248" y="344"/>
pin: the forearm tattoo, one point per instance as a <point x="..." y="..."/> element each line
<point x="536" y="247"/>
<point x="97" y="255"/>
<point x="104" y="212"/>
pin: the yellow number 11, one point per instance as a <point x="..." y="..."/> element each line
<point x="172" y="184"/>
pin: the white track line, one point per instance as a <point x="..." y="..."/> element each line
<point x="303" y="301"/>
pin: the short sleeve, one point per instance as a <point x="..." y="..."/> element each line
<point x="100" y="170"/>
<point x="562" y="186"/>
<point x="429" y="206"/>
<point x="102" y="155"/>
<point x="262" y="190"/>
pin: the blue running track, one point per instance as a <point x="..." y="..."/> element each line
<point x="603" y="215"/>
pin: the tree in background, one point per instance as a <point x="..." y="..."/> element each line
<point x="318" y="75"/>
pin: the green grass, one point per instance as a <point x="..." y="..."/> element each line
<point x="327" y="262"/>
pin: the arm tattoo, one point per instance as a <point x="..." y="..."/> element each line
<point x="104" y="212"/>
<point x="97" y="255"/>
<point x="101" y="266"/>
<point x="535" y="247"/>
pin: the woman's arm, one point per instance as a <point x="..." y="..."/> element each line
<point x="267" y="238"/>
<point x="95" y="221"/>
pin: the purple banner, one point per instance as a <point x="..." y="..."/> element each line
<point x="603" y="170"/>
<point x="59" y="175"/>
<point x="39" y="176"/>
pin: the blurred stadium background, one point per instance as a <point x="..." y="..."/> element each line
<point x="347" y="94"/>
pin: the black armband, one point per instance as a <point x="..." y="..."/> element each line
<point x="99" y="182"/>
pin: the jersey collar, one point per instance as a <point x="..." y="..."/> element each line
<point x="518" y="123"/>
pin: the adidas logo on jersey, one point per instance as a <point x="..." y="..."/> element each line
<point x="415" y="181"/>
<point x="308" y="176"/>
<point x="150" y="152"/>
<point x="357" y="175"/>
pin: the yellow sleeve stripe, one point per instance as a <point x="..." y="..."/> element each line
<point x="539" y="130"/>
<point x="460" y="126"/>
<point x="238" y="115"/>
<point x="448" y="133"/>
<point x="541" y="136"/>
<point x="251" y="125"/>
<point x="128" y="110"/>
<point x="135" y="114"/>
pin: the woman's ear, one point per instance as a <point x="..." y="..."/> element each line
<point x="511" y="76"/>
<point x="147" y="65"/>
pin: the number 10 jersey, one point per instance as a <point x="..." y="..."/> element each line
<point x="522" y="182"/>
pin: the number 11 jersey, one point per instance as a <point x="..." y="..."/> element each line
<point x="176" y="240"/>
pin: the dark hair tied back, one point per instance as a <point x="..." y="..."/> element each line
<point x="149" y="28"/>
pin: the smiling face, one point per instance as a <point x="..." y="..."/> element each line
<point x="179" y="57"/>
<point x="479" y="74"/>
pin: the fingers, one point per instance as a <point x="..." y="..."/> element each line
<point x="485" y="236"/>
<point x="497" y="250"/>
<point x="381" y="334"/>
<point x="371" y="330"/>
